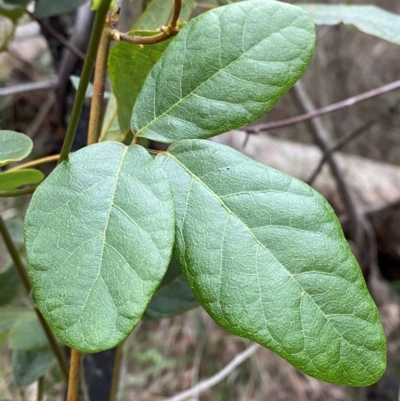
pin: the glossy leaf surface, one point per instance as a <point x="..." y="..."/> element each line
<point x="266" y="257"/>
<point x="226" y="68"/>
<point x="159" y="13"/>
<point x="14" y="146"/>
<point x="128" y="66"/>
<point x="99" y="234"/>
<point x="28" y="366"/>
<point x="173" y="297"/>
<point x="367" y="18"/>
<point x="10" y="180"/>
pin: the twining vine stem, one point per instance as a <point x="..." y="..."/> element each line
<point x="166" y="31"/>
<point x="87" y="69"/>
<point x="12" y="249"/>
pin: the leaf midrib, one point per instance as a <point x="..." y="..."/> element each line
<point x="206" y="81"/>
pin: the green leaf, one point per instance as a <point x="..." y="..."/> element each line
<point x="367" y="18"/>
<point x="9" y="284"/>
<point x="14" y="146"/>
<point x="266" y="257"/>
<point x="128" y="66"/>
<point x="15" y="227"/>
<point x="99" y="234"/>
<point x="10" y="180"/>
<point x="27" y="334"/>
<point x="28" y="366"/>
<point x="13" y="10"/>
<point x="110" y="130"/>
<point x="159" y="13"/>
<point x="9" y="315"/>
<point x="173" y="297"/>
<point x="226" y="68"/>
<point x="49" y="8"/>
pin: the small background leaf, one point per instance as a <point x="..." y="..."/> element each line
<point x="14" y="146"/>
<point x="125" y="62"/>
<point x="266" y="257"/>
<point x="173" y="297"/>
<point x="10" y="180"/>
<point x="225" y="68"/>
<point x="9" y="315"/>
<point x="27" y="334"/>
<point x="28" y="366"/>
<point x="99" y="235"/>
<point x="367" y="18"/>
<point x="110" y="130"/>
<point x="13" y="9"/>
<point x="9" y="284"/>
<point x="159" y="13"/>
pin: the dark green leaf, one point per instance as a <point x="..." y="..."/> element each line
<point x="9" y="283"/>
<point x="99" y="234"/>
<point x="266" y="257"/>
<point x="159" y="13"/>
<point x="28" y="366"/>
<point x="14" y="146"/>
<point x="128" y="66"/>
<point x="49" y="8"/>
<point x="27" y="334"/>
<point x="226" y="68"/>
<point x="10" y="180"/>
<point x="367" y="18"/>
<point x="173" y="297"/>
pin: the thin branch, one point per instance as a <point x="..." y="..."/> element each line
<point x="351" y="136"/>
<point x="74" y="371"/>
<point x="85" y="77"/>
<point x="324" y="141"/>
<point x="116" y="373"/>
<point x="57" y="36"/>
<point x="324" y="110"/>
<point x="27" y="284"/>
<point x="37" y="162"/>
<point x="99" y="84"/>
<point x="213" y="380"/>
<point x="29" y="87"/>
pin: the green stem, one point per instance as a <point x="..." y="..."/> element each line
<point x="99" y="87"/>
<point x="17" y="192"/>
<point x="27" y="284"/>
<point x="74" y="371"/>
<point x="85" y="77"/>
<point x="116" y="371"/>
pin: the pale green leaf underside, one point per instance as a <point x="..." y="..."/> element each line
<point x="10" y="180"/>
<point x="99" y="234"/>
<point x="14" y="146"/>
<point x="265" y="255"/>
<point x="226" y="68"/>
<point x="159" y="12"/>
<point x="367" y="18"/>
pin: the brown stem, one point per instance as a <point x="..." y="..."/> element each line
<point x="99" y="87"/>
<point x="177" y="11"/>
<point x="37" y="162"/>
<point x="324" y="110"/>
<point x="116" y="372"/>
<point x="27" y="284"/>
<point x="143" y="40"/>
<point x="74" y="370"/>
